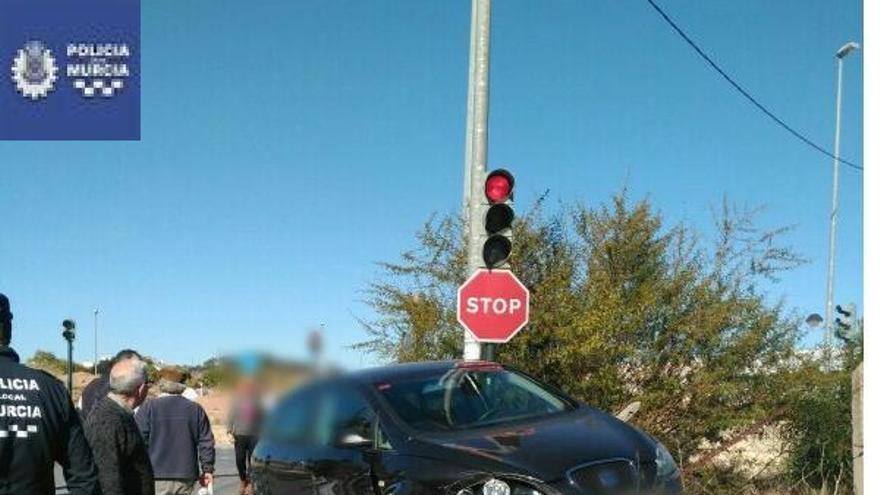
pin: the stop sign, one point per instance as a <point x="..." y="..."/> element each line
<point x="493" y="305"/>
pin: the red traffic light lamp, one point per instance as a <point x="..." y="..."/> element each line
<point x="499" y="186"/>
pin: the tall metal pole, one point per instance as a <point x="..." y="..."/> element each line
<point x="476" y="143"/>
<point x="70" y="367"/>
<point x="829" y="289"/>
<point x="96" y="341"/>
<point x="69" y="334"/>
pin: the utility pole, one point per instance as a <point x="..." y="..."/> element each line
<point x="476" y="144"/>
<point x="829" y="289"/>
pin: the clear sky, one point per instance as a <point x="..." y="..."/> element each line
<point x="288" y="145"/>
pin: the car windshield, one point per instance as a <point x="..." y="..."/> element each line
<point x="463" y="398"/>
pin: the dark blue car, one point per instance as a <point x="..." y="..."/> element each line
<point x="458" y="428"/>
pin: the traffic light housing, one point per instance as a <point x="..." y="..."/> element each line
<point x="69" y="332"/>
<point x="498" y="219"/>
<point x="845" y="322"/>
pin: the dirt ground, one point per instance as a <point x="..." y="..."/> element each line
<point x="216" y="405"/>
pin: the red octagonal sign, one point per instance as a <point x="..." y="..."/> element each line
<point x="493" y="305"/>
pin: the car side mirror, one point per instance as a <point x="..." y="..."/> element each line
<point x="352" y="440"/>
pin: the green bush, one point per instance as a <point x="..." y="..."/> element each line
<point x="48" y="362"/>
<point x="820" y="434"/>
<point x="213" y="373"/>
<point x="819" y="428"/>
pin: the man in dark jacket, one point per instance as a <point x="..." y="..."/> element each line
<point x="123" y="462"/>
<point x="38" y="427"/>
<point x="98" y="388"/>
<point x="179" y="437"/>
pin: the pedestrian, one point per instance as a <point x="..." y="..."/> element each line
<point x="38" y="427"/>
<point x="178" y="435"/>
<point x="99" y="387"/>
<point x="120" y="452"/>
<point x="243" y="423"/>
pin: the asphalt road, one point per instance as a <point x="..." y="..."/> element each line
<point x="225" y="475"/>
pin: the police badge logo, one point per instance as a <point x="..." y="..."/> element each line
<point x="34" y="71"/>
<point x="98" y="69"/>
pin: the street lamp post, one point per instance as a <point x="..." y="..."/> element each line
<point x="829" y="290"/>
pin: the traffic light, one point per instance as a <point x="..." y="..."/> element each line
<point x="845" y="323"/>
<point x="499" y="218"/>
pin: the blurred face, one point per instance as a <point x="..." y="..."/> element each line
<point x="245" y="386"/>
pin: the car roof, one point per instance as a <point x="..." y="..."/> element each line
<point x="396" y="372"/>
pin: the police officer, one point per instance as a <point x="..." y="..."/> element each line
<point x="38" y="427"/>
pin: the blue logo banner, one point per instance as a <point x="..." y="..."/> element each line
<point x="70" y="70"/>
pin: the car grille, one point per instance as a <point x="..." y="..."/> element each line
<point x="616" y="477"/>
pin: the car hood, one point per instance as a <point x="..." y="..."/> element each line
<point x="545" y="449"/>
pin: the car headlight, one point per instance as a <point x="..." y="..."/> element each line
<point x="666" y="467"/>
<point x="494" y="486"/>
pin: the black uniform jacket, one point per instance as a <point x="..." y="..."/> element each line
<point x="38" y="427"/>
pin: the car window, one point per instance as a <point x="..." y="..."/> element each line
<point x="470" y="398"/>
<point x="342" y="411"/>
<point x="290" y="421"/>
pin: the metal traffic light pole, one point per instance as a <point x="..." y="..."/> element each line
<point x="69" y="334"/>
<point x="476" y="145"/>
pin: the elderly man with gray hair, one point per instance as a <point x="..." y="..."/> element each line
<point x="120" y="452"/>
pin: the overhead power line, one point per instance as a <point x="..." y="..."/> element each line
<point x="745" y="93"/>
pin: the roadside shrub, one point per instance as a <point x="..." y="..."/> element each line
<point x="820" y="434"/>
<point x="48" y="362"/>
<point x="212" y="373"/>
<point x="819" y="427"/>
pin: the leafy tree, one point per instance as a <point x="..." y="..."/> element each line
<point x="624" y="308"/>
<point x="416" y="317"/>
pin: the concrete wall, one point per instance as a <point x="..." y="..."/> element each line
<point x="858" y="443"/>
